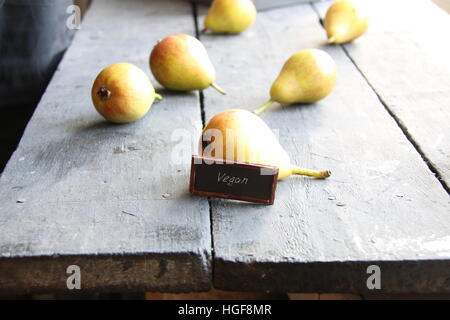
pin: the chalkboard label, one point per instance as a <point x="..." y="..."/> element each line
<point x="237" y="180"/>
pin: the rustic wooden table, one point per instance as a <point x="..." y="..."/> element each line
<point x="80" y="191"/>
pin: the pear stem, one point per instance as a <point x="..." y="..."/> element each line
<point x="332" y="39"/>
<point x="263" y="107"/>
<point x="204" y="30"/>
<point x="219" y="89"/>
<point x="158" y="96"/>
<point x="311" y="173"/>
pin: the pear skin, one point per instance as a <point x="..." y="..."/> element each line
<point x="239" y="135"/>
<point x="345" y="21"/>
<point x="123" y="93"/>
<point x="306" y="77"/>
<point x="230" y="16"/>
<point x="180" y="62"/>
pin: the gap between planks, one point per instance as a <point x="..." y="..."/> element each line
<point x="201" y="98"/>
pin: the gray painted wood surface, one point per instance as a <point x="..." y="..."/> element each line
<point x="382" y="205"/>
<point x="404" y="56"/>
<point x="106" y="197"/>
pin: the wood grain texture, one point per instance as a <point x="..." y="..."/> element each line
<point x="404" y="56"/>
<point x="82" y="191"/>
<point x="215" y="294"/>
<point x="382" y="205"/>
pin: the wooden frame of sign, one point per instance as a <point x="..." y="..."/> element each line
<point x="233" y="180"/>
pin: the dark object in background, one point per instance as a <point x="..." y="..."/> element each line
<point x="33" y="38"/>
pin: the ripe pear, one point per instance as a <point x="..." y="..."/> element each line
<point x="239" y="135"/>
<point x="180" y="62"/>
<point x="230" y="16"/>
<point x="345" y="20"/>
<point x="306" y="77"/>
<point x="123" y="93"/>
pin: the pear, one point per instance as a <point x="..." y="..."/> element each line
<point x="345" y="21"/>
<point x="239" y="135"/>
<point x="306" y="77"/>
<point x="230" y="16"/>
<point x="180" y="62"/>
<point x="122" y="93"/>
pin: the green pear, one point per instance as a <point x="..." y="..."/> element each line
<point x="230" y="16"/>
<point x="180" y="62"/>
<point x="239" y="135"/>
<point x="306" y="77"/>
<point x="344" y="21"/>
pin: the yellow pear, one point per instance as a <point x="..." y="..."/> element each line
<point x="345" y="20"/>
<point x="180" y="62"/>
<point x="123" y="93"/>
<point x="230" y="16"/>
<point x="306" y="77"/>
<point x="239" y="135"/>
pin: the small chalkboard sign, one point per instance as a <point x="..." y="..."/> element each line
<point x="233" y="180"/>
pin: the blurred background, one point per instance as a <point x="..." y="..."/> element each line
<point x="33" y="39"/>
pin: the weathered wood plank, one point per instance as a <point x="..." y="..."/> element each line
<point x="405" y="57"/>
<point x="106" y="197"/>
<point x="381" y="205"/>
